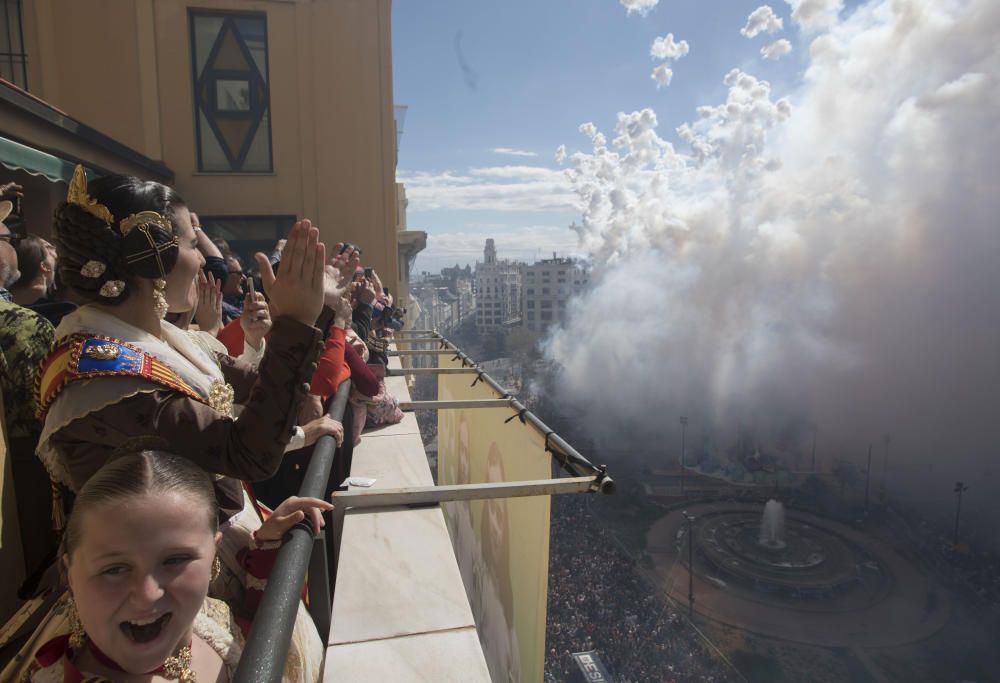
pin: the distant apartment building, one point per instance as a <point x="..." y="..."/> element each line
<point x="445" y="300"/>
<point x="547" y="288"/>
<point x="497" y="291"/>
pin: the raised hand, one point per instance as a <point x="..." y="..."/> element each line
<point x="256" y="319"/>
<point x="334" y="282"/>
<point x="297" y="290"/>
<point x="347" y="262"/>
<point x="208" y="314"/>
<point x="366" y="293"/>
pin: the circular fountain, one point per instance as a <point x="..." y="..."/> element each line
<point x="779" y="554"/>
<point x="790" y="574"/>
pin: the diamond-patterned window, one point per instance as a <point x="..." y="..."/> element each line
<point x="231" y="95"/>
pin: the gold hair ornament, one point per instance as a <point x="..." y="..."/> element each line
<point x="112" y="289"/>
<point x="93" y="269"/>
<point x="144" y="218"/>
<point x="78" y="195"/>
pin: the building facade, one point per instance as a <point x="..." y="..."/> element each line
<point x="548" y="285"/>
<point x="264" y="111"/>
<point x="498" y="291"/>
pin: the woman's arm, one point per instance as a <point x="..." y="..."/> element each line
<point x="362" y="379"/>
<point x="250" y="448"/>
<point x="330" y="369"/>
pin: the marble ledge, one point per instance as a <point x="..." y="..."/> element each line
<point x="397" y="575"/>
<point x="444" y="657"/>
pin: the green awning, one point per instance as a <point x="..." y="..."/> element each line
<point x="18" y="157"/>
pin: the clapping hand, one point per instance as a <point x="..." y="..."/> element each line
<point x="297" y="290"/>
<point x="208" y="314"/>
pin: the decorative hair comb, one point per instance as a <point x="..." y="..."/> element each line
<point x="144" y="218"/>
<point x="78" y="195"/>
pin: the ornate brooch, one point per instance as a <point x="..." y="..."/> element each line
<point x="93" y="269"/>
<point x="112" y="288"/>
<point x="220" y="397"/>
<point x="102" y="352"/>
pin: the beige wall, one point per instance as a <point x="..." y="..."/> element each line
<point x="124" y="67"/>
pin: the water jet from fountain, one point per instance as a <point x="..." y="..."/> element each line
<point x="772" y="526"/>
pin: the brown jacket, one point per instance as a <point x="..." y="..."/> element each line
<point x="250" y="448"/>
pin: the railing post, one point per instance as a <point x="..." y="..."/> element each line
<point x="266" y="649"/>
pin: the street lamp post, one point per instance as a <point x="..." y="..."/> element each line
<point x="868" y="478"/>
<point x="690" y="535"/>
<point x="815" y="429"/>
<point x="684" y="422"/>
<point x="960" y="488"/>
<point x="885" y="469"/>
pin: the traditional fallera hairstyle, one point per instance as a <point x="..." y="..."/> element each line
<point x="113" y="231"/>
<point x="136" y="474"/>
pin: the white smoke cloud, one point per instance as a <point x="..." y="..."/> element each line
<point x="816" y="14"/>
<point x="667" y="48"/>
<point x="761" y="20"/>
<point x="834" y="260"/>
<point x="776" y="50"/>
<point x="662" y="75"/>
<point x="642" y="7"/>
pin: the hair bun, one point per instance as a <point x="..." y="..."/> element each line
<point x="150" y="249"/>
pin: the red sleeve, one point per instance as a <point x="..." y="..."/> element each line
<point x="362" y="378"/>
<point x="330" y="371"/>
<point x="232" y="336"/>
<point x="258" y="561"/>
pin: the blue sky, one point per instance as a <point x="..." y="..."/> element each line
<point x="523" y="75"/>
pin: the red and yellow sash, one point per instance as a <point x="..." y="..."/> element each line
<point x="86" y="356"/>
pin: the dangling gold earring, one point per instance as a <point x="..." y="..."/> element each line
<point x="216" y="568"/>
<point x="77" y="636"/>
<point x="159" y="297"/>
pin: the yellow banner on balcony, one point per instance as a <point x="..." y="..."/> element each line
<point x="502" y="545"/>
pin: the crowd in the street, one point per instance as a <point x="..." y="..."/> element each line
<point x="970" y="566"/>
<point x="161" y="401"/>
<point x="599" y="601"/>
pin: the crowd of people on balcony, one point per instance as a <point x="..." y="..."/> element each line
<point x="599" y="601"/>
<point x="160" y="405"/>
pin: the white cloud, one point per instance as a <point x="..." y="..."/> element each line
<point x="662" y="75"/>
<point x="666" y="48"/>
<point x="560" y="154"/>
<point x="496" y="188"/>
<point x="642" y="7"/>
<point x="510" y="151"/>
<point x="761" y="20"/>
<point x="776" y="50"/>
<point x="815" y="14"/>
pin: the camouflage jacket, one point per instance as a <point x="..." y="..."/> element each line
<point x="25" y="339"/>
